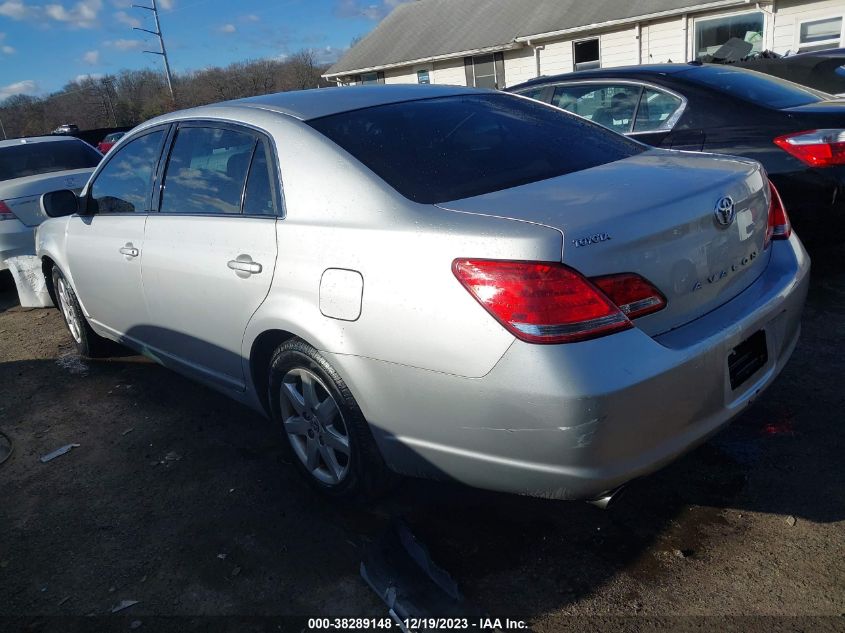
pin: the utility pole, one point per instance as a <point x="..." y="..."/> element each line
<point x="163" y="50"/>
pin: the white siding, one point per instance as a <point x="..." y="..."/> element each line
<point x="618" y="48"/>
<point x="519" y="66"/>
<point x="556" y="58"/>
<point x="450" y="71"/>
<point x="663" y="41"/>
<point x="790" y="13"/>
<point x="400" y="76"/>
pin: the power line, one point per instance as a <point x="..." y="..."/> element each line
<point x="163" y="50"/>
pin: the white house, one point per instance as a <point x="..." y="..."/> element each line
<point x="500" y="43"/>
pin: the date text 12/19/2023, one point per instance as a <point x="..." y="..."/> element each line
<point x="417" y="624"/>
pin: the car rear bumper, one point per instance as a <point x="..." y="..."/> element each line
<point x="574" y="421"/>
<point x="15" y="239"/>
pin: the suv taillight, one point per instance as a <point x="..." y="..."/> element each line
<point x="779" y="226"/>
<point x="816" y="148"/>
<point x="5" y="212"/>
<point x="548" y="302"/>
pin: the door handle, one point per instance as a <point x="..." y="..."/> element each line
<point x="244" y="266"/>
<point x="129" y="250"/>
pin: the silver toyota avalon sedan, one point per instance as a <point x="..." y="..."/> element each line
<point x="437" y="281"/>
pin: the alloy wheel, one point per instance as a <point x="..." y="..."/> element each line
<point x="69" y="310"/>
<point x="315" y="426"/>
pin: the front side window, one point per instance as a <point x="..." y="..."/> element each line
<point x="448" y="148"/>
<point x="585" y="54"/>
<point x="31" y="159"/>
<point x="206" y="171"/>
<point x="712" y="34"/>
<point x="125" y="183"/>
<point x="818" y="35"/>
<point x="610" y="105"/>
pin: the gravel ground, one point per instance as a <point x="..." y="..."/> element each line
<point x="182" y="500"/>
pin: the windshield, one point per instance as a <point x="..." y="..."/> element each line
<point x="32" y="159"/>
<point x="760" y="89"/>
<point x="447" y="148"/>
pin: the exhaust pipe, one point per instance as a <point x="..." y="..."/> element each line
<point x="605" y="499"/>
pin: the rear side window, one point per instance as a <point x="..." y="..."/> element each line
<point x="260" y="196"/>
<point x="124" y="184"/>
<point x="206" y="172"/>
<point x="656" y="111"/>
<point x="763" y="90"/>
<point x="32" y="159"/>
<point x="448" y="148"/>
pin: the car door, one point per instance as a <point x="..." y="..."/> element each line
<point x="210" y="251"/>
<point x="105" y="244"/>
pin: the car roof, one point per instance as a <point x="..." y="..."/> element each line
<point x="618" y="71"/>
<point x="312" y="104"/>
<point x="32" y="140"/>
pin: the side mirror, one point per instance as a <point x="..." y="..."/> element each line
<point x="58" y="204"/>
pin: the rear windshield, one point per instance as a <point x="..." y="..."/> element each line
<point x="32" y="159"/>
<point x="763" y="90"/>
<point x="448" y="148"/>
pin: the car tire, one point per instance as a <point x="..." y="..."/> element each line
<point x="88" y="343"/>
<point x="325" y="433"/>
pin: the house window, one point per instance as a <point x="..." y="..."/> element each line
<point x="484" y="69"/>
<point x="369" y="78"/>
<point x="422" y="77"/>
<point x="711" y="35"/>
<point x="586" y="54"/>
<point x="817" y="35"/>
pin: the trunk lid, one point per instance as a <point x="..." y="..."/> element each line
<point x="655" y="215"/>
<point x="23" y="195"/>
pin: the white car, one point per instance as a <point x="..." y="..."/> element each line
<point x="30" y="167"/>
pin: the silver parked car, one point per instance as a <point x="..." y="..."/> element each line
<point x="29" y="168"/>
<point x="437" y="281"/>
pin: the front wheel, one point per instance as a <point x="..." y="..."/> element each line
<point x="326" y="434"/>
<point x="88" y="343"/>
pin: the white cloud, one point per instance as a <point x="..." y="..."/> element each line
<point x="165" y="4"/>
<point x="369" y="10"/>
<point x="124" y="18"/>
<point x="14" y="9"/>
<point x="227" y="28"/>
<point x="86" y="77"/>
<point x="91" y="57"/>
<point x="25" y="87"/>
<point x="250" y="18"/>
<point x="82" y="15"/>
<point x="7" y="50"/>
<point x="124" y="45"/>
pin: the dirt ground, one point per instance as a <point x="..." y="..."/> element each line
<point x="182" y="500"/>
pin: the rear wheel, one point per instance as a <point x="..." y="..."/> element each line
<point x="327" y="436"/>
<point x="87" y="341"/>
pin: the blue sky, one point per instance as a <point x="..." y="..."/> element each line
<point x="46" y="43"/>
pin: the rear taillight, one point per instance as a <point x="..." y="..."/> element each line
<point x="817" y="148"/>
<point x="634" y="295"/>
<point x="779" y="226"/>
<point x="5" y="212"/>
<point x="540" y="302"/>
